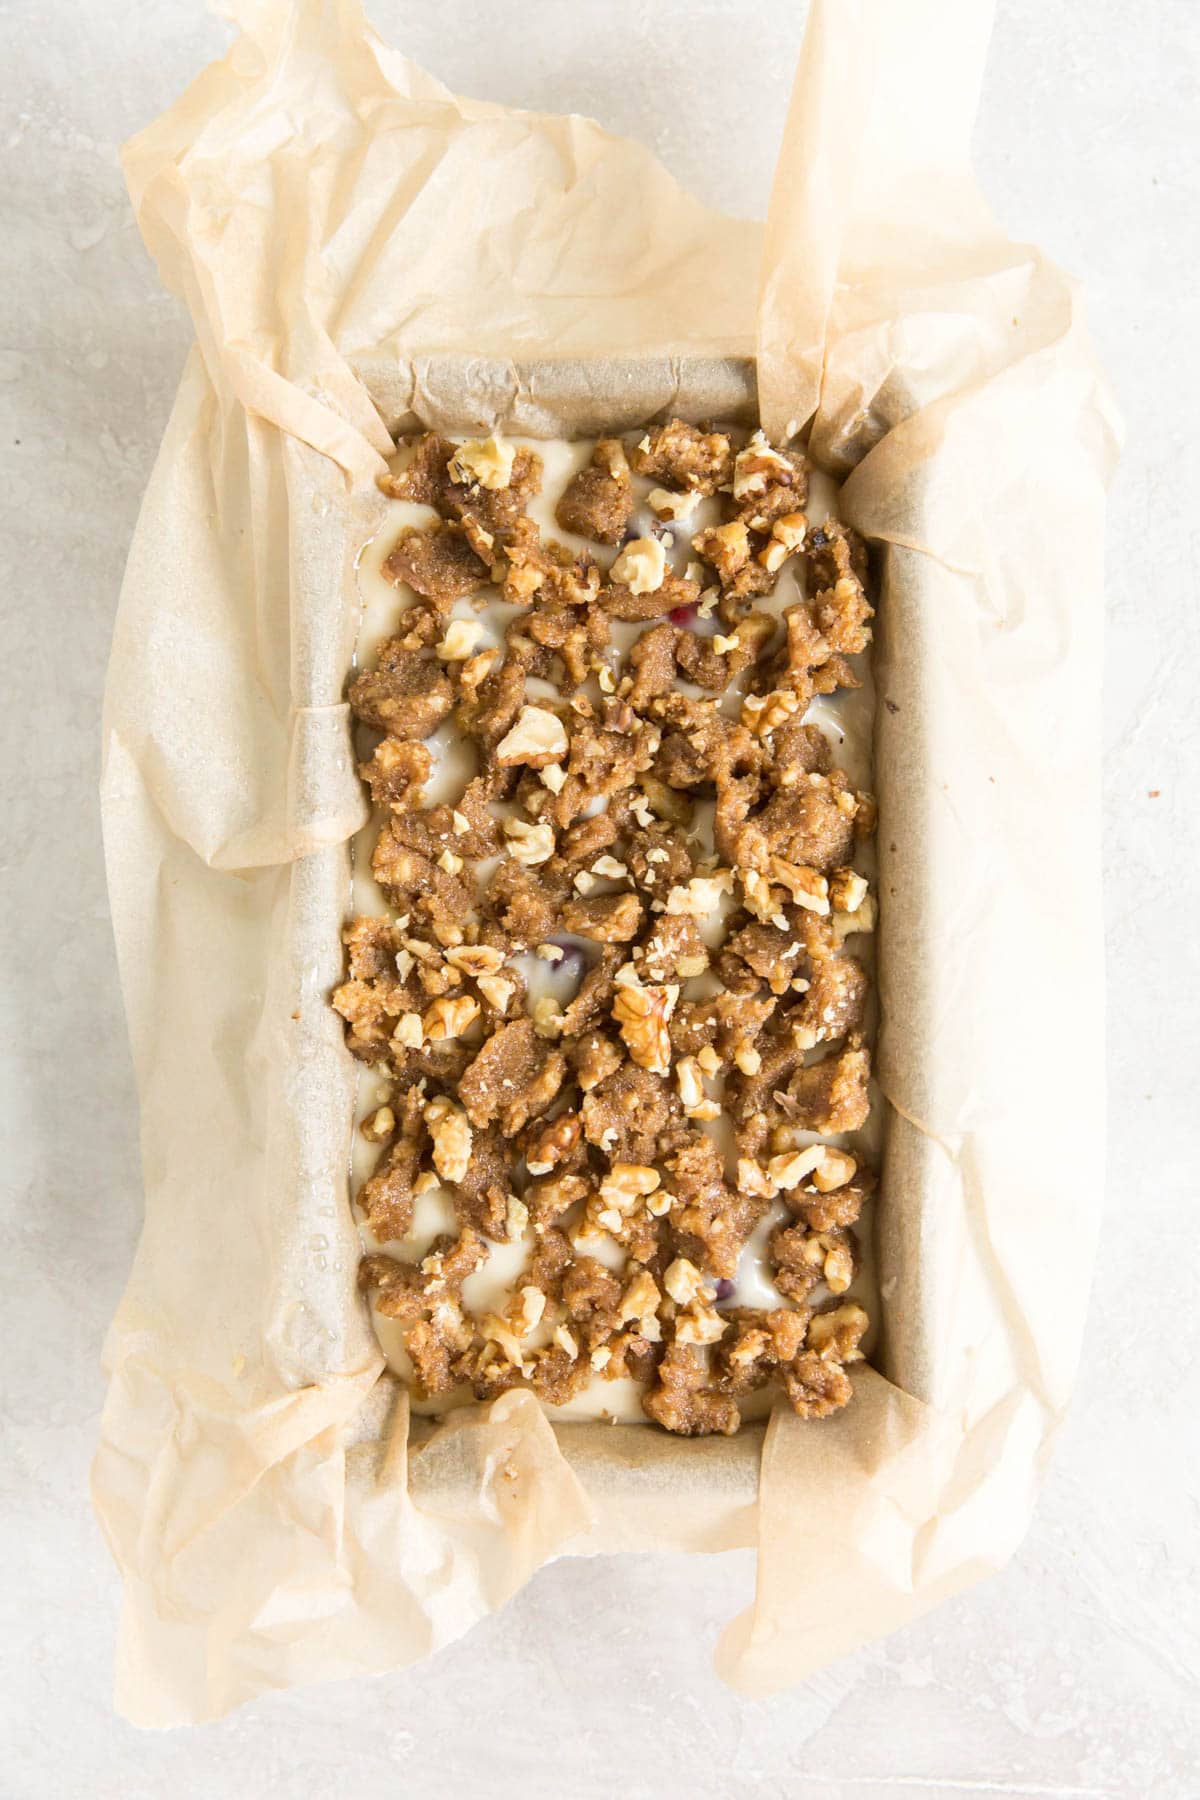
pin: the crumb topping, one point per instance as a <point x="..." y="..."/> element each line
<point x="614" y="1006"/>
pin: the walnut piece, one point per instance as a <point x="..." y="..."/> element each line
<point x="451" y="1136"/>
<point x="537" y="738"/>
<point x="483" y="462"/>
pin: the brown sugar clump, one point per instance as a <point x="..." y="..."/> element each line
<point x="681" y="1402"/>
<point x="684" y="458"/>
<point x="438" y="563"/>
<point x="404" y="695"/>
<point x="598" y="500"/>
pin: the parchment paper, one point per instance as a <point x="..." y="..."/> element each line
<point x="345" y="232"/>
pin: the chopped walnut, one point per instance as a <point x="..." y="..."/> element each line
<point x="641" y="566"/>
<point x="449" y="1018"/>
<point x="451" y="1139"/>
<point x="642" y="1014"/>
<point x="726" y="547"/>
<point x="529" y="844"/>
<point x="537" y="738"/>
<point x="484" y="462"/>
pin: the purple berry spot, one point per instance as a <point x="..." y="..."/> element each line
<point x="573" y="962"/>
<point x="684" y="615"/>
<point x="724" y="1289"/>
<point x="818" y="540"/>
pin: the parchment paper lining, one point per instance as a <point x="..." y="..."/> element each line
<point x="253" y="1472"/>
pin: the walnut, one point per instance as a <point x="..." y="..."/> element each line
<point x="764" y="713"/>
<point x="497" y="990"/>
<point x="838" y="1265"/>
<point x="834" y="1170"/>
<point x="640" y="1299"/>
<point x="451" y="1136"/>
<point x="675" y="508"/>
<point x="787" y="536"/>
<point x="699" y="1324"/>
<point x="684" y="1282"/>
<point x="641" y="566"/>
<point x="458" y="644"/>
<point x="553" y="1144"/>
<point x="757" y="466"/>
<point x="726" y="547"/>
<point x="485" y="462"/>
<point x="845" y="924"/>
<point x="475" y="959"/>
<point x="701" y="897"/>
<point x="689" y="1079"/>
<point x="642" y="1014"/>
<point x="753" y="1179"/>
<point x="537" y="739"/>
<point x="409" y="1033"/>
<point x="379" y="1125"/>
<point x="625" y="1183"/>
<point x="759" y="898"/>
<point x="806" y="887"/>
<point x="621" y="1206"/>
<point x="527" y="1309"/>
<point x="529" y="844"/>
<point x="847" y="890"/>
<point x="494" y="1328"/>
<point x="789" y="1170"/>
<point x="449" y="1018"/>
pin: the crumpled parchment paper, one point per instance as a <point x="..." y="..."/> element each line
<point x="344" y="231"/>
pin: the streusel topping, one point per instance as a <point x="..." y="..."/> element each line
<point x="614" y="1002"/>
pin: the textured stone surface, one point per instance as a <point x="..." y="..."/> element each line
<point x="1074" y="1673"/>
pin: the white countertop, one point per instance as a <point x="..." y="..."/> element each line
<point x="1074" y="1672"/>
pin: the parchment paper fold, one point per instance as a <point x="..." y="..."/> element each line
<point x="360" y="250"/>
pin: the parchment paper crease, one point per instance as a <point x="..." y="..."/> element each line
<point x="344" y="231"/>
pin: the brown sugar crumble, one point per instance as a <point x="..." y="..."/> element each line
<point x="613" y="1007"/>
